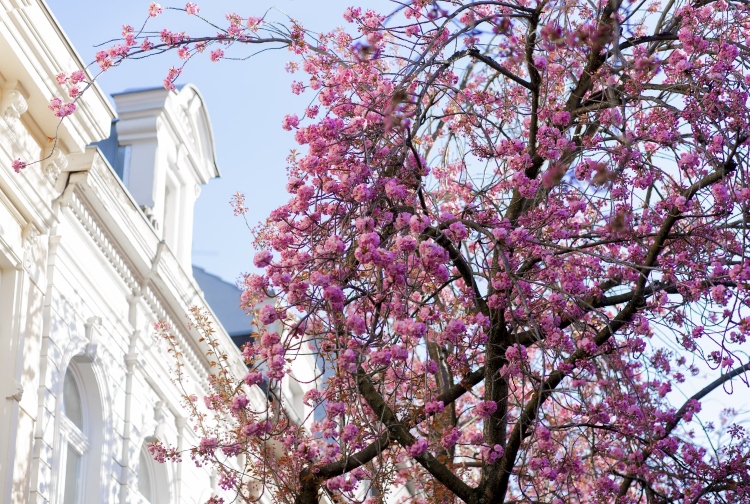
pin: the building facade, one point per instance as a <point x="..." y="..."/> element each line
<point x="95" y="245"/>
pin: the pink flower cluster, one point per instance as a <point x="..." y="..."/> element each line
<point x="154" y="9"/>
<point x="18" y="165"/>
<point x="61" y="109"/>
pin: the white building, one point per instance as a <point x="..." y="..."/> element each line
<point x="89" y="261"/>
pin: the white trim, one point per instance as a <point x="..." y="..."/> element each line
<point x="73" y="437"/>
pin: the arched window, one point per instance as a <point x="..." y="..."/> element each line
<point x="153" y="478"/>
<point x="146" y="475"/>
<point x="81" y="463"/>
<point x="75" y="442"/>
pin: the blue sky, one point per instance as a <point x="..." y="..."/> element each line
<point x="246" y="101"/>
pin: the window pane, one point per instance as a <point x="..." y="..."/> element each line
<point x="72" y="400"/>
<point x="72" y="475"/>
<point x="144" y="475"/>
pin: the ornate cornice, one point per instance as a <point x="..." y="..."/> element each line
<point x="135" y="283"/>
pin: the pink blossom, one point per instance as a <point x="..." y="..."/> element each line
<point x="254" y="378"/>
<point x="410" y="328"/>
<point x="432" y="367"/>
<point x="395" y="190"/>
<point x="434" y="407"/>
<point x="253" y="22"/>
<point x="418" y="224"/>
<point x="154" y="9"/>
<point x="262" y="258"/>
<point x="103" y="60"/>
<point x="349" y="360"/>
<point x="217" y="54"/>
<point x="290" y="121"/>
<point x="256" y="428"/>
<point x="18" y="165"/>
<point x="55" y="104"/>
<point x="239" y="402"/>
<point x="61" y="109"/>
<point x="418" y="448"/>
<point x="356" y="324"/>
<point x="450" y="438"/>
<point x="349" y="432"/>
<point x="267" y="314"/>
<point x="336" y="408"/>
<point x="561" y="118"/>
<point x="588" y="345"/>
<point x="208" y="446"/>
<point x="311" y="397"/>
<point x="334" y="294"/>
<point x="269" y="339"/>
<point x="77" y="76"/>
<point x="192" y="8"/>
<point x="485" y="409"/>
<point x="335" y="245"/>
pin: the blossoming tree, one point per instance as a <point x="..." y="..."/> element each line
<point x="516" y="229"/>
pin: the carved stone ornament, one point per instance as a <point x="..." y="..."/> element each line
<point x="90" y="351"/>
<point x="13" y="104"/>
<point x="17" y="391"/>
<point x="149" y="213"/>
<point x="56" y="163"/>
<point x="160" y="419"/>
<point x="92" y="327"/>
<point x="30" y="235"/>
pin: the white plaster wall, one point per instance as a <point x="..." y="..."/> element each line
<point x="64" y="294"/>
<point x="84" y="275"/>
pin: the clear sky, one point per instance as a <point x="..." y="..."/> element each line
<point x="246" y="101"/>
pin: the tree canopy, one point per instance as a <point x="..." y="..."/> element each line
<point x="516" y="231"/>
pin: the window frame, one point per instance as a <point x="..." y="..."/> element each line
<point x="71" y="437"/>
<point x="145" y="456"/>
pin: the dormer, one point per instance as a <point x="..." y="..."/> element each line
<point x="163" y="149"/>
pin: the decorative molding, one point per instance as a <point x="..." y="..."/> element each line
<point x="131" y="359"/>
<point x="149" y="213"/>
<point x="92" y="326"/>
<point x="180" y="422"/>
<point x="90" y="224"/>
<point x="13" y="104"/>
<point x="55" y="163"/>
<point x="17" y="391"/>
<point x="160" y="418"/>
<point x="29" y="236"/>
<point x="90" y="350"/>
<point x="157" y="307"/>
<point x="101" y="240"/>
<point x="109" y="180"/>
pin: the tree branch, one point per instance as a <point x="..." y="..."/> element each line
<point x="474" y="53"/>
<point x="401" y="434"/>
<point x="670" y="426"/>
<point x="461" y="265"/>
<point x="545" y="390"/>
